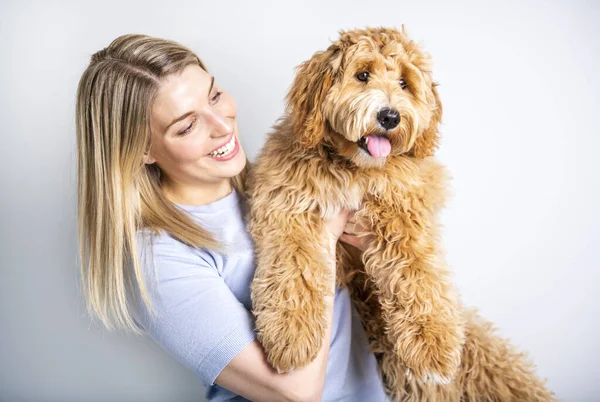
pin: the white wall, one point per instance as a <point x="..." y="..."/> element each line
<point x="520" y="87"/>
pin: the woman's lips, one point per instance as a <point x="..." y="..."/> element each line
<point x="223" y="144"/>
<point x="229" y="150"/>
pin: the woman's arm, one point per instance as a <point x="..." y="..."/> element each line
<point x="205" y="327"/>
<point x="250" y="375"/>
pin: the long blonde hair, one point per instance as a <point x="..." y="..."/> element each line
<point x="117" y="193"/>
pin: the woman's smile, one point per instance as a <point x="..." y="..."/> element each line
<point x="226" y="151"/>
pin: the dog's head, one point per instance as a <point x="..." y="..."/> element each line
<point x="369" y="95"/>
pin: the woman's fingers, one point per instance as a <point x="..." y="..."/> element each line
<point x="352" y="240"/>
<point x="351" y="232"/>
<point x="351" y="228"/>
<point x="335" y="226"/>
<point x="351" y="216"/>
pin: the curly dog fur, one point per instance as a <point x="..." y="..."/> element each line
<point x="372" y="85"/>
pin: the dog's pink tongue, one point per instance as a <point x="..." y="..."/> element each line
<point x="378" y="146"/>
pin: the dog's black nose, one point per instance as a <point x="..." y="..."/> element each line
<point x="388" y="118"/>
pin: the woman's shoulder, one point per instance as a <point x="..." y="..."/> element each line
<point x="154" y="242"/>
<point x="158" y="249"/>
<point x="161" y="240"/>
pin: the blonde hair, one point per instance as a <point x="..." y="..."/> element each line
<point x="117" y="193"/>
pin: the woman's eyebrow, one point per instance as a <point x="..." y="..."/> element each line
<point x="212" y="83"/>
<point x="183" y="116"/>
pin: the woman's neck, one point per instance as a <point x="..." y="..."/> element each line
<point x="180" y="193"/>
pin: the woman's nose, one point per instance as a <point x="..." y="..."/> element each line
<point x="220" y="124"/>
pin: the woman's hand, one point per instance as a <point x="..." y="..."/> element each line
<point x="336" y="225"/>
<point x="351" y="232"/>
<point x="343" y="227"/>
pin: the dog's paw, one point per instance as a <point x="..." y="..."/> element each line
<point x="290" y="323"/>
<point x="291" y="339"/>
<point x="290" y="370"/>
<point x="431" y="359"/>
<point x="297" y="352"/>
<point x="429" y="377"/>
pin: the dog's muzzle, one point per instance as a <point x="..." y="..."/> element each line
<point x="378" y="145"/>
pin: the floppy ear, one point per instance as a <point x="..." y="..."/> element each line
<point x="427" y="143"/>
<point x="313" y="80"/>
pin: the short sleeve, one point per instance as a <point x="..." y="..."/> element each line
<point x="200" y="322"/>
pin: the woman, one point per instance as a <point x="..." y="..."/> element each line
<point x="163" y="243"/>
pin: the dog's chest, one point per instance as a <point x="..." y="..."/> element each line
<point x="341" y="197"/>
<point x="350" y="193"/>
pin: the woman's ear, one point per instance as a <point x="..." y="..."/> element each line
<point x="148" y="159"/>
<point x="428" y="142"/>
<point x="314" y="79"/>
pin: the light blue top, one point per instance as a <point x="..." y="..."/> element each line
<point x="203" y="298"/>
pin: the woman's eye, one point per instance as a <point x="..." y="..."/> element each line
<point x="216" y="97"/>
<point x="187" y="130"/>
<point x="403" y="83"/>
<point x="364" y="76"/>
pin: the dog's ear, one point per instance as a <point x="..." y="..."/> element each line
<point x="313" y="80"/>
<point x="428" y="142"/>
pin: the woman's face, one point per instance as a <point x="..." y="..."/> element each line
<point x="194" y="131"/>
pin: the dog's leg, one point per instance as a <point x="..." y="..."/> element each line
<point x="493" y="370"/>
<point x="364" y="296"/>
<point x="290" y="285"/>
<point x="392" y="369"/>
<point x="419" y="305"/>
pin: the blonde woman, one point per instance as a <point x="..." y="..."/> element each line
<point x="163" y="244"/>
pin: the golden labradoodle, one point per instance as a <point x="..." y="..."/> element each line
<point x="360" y="131"/>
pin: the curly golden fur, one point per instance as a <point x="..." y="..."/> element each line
<point x="370" y="85"/>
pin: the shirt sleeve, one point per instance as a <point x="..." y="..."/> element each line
<point x="200" y="322"/>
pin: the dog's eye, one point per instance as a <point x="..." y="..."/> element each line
<point x="364" y="76"/>
<point x="403" y="83"/>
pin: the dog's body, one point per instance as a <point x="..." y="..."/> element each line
<point x="360" y="131"/>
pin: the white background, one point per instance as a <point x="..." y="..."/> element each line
<point x="520" y="88"/>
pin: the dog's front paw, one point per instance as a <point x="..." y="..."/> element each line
<point x="291" y="330"/>
<point x="292" y="347"/>
<point x="428" y="377"/>
<point x="287" y="359"/>
<point x="432" y="356"/>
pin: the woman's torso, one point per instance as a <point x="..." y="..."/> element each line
<point x="351" y="370"/>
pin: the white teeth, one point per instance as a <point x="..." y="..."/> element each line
<point x="366" y="140"/>
<point x="225" y="149"/>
